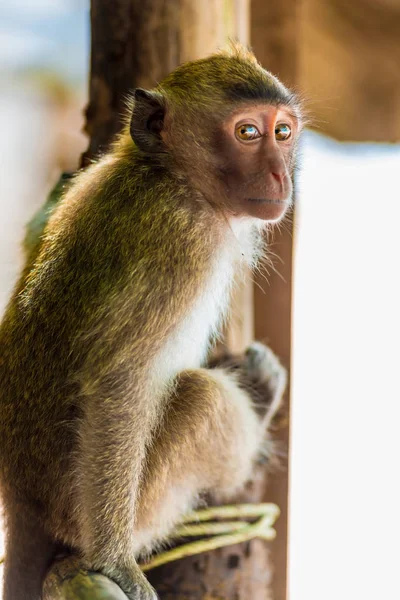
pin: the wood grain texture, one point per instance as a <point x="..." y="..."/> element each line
<point x="275" y="41"/>
<point x="134" y="44"/>
<point x="350" y="68"/>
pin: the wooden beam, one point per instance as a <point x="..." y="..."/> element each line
<point x="274" y="39"/>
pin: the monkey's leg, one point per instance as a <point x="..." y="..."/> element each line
<point x="112" y="453"/>
<point x="29" y="552"/>
<point x="211" y="434"/>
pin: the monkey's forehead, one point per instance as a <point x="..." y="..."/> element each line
<point x="228" y="78"/>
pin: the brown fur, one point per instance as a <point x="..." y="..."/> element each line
<point x="101" y="450"/>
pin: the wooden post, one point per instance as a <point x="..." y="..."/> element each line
<point x="136" y="43"/>
<point x="274" y="38"/>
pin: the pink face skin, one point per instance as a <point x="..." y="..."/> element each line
<point x="256" y="170"/>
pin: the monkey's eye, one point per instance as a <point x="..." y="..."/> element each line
<point x="282" y="132"/>
<point x="247" y="132"/>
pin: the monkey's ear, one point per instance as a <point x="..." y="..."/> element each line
<point x="147" y="121"/>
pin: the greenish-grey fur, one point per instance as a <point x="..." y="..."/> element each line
<point x="36" y="226"/>
<point x="199" y="81"/>
<point x="78" y="285"/>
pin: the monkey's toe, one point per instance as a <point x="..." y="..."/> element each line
<point x="141" y="592"/>
<point x="132" y="582"/>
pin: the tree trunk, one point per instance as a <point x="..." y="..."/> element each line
<point x="137" y="43"/>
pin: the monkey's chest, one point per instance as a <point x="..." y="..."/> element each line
<point x="188" y="345"/>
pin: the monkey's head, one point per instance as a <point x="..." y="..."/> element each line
<point x="230" y="126"/>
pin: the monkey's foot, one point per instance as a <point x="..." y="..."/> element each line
<point x="70" y="577"/>
<point x="138" y="592"/>
<point x="132" y="582"/>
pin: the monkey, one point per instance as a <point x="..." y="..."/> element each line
<point x="112" y="427"/>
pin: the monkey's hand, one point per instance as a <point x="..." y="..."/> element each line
<point x="132" y="582"/>
<point x="261" y="374"/>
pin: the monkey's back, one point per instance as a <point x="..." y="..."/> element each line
<point x="77" y="316"/>
<point x="39" y="408"/>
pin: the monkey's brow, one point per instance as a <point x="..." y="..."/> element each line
<point x="260" y="90"/>
<point x="292" y="112"/>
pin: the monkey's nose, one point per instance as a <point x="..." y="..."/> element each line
<point x="279" y="177"/>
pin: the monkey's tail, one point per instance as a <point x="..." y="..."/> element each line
<point x="29" y="553"/>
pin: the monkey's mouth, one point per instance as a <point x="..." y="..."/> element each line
<point x="266" y="201"/>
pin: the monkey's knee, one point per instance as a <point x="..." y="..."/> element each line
<point x="237" y="434"/>
<point x="208" y="440"/>
<point x="213" y="417"/>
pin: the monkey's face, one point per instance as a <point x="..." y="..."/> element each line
<point x="254" y="151"/>
<point x="238" y="151"/>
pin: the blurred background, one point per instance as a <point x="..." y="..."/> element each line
<point x="344" y="523"/>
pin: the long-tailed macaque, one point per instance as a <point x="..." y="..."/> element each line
<point x="111" y="427"/>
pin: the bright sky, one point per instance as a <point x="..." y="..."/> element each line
<point x="36" y="33"/>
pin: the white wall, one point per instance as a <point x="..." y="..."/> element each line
<point x="345" y="492"/>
